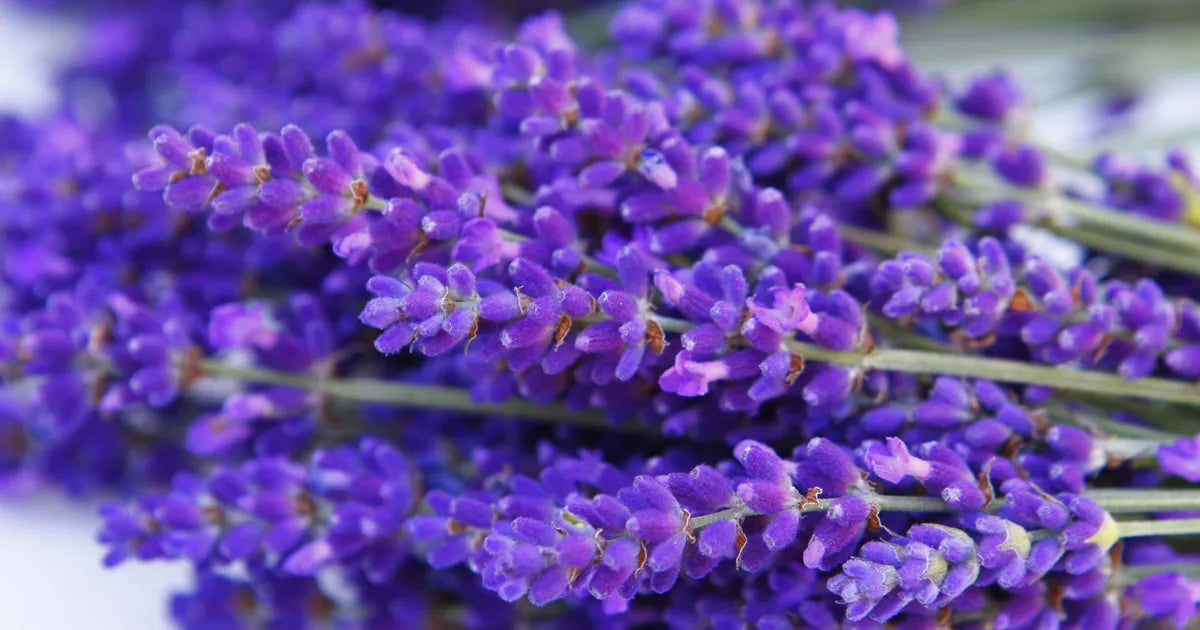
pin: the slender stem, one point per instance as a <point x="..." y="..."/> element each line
<point x="952" y="119"/>
<point x="1173" y="527"/>
<point x="1154" y="242"/>
<point x="1072" y="212"/>
<point x="1107" y="425"/>
<point x="593" y="265"/>
<point x="1179" y="261"/>
<point x="1123" y="500"/>
<point x="1066" y="379"/>
<point x="456" y="399"/>
<point x="1136" y="572"/>
<point x="881" y="502"/>
<point x="1004" y="370"/>
<point x="1113" y="500"/>
<point x="1063" y="157"/>
<point x="1140" y="140"/>
<point x="423" y="396"/>
<point x="881" y="242"/>
<point x="1165" y="418"/>
<point x="902" y="336"/>
<point x="896" y="333"/>
<point x="1130" y="449"/>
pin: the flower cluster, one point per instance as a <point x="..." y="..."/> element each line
<point x="392" y="320"/>
<point x="1133" y="328"/>
<point x="345" y="503"/>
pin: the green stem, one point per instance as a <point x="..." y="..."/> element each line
<point x="1104" y="236"/>
<point x="1173" y="527"/>
<point x="1124" y="501"/>
<point x="901" y="336"/>
<point x="593" y="265"/>
<point x="1066" y="379"/>
<point x="456" y="399"/>
<point x="1074" y="213"/>
<point x="1103" y="424"/>
<point x="1100" y="423"/>
<point x="1133" y="573"/>
<point x="952" y="119"/>
<point x="1130" y="449"/>
<point x="1136" y="140"/>
<point x="1168" y="419"/>
<point x="1114" y="501"/>
<point x="1179" y="261"/>
<point x="1004" y="370"/>
<point x="413" y="395"/>
<point x="881" y="242"/>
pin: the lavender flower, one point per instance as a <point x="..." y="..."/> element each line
<point x="667" y="238"/>
<point x="932" y="565"/>
<point x="940" y="470"/>
<point x="274" y="512"/>
<point x="1167" y="594"/>
<point x="1060" y="317"/>
<point x="1181" y="458"/>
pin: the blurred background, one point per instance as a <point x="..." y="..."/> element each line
<point x="1121" y="75"/>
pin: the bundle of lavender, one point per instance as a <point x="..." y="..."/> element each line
<point x="736" y="321"/>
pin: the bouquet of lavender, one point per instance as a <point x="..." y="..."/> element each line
<point x="727" y="319"/>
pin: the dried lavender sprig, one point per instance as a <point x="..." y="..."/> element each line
<point x="270" y="511"/>
<point x="907" y="361"/>
<point x="289" y="501"/>
<point x="1135" y="446"/>
<point x="1114" y="501"/>
<point x="886" y="359"/>
<point x="1168" y="244"/>
<point x="549" y="543"/>
<point x="1002" y="370"/>
<point x="988" y="99"/>
<point x="1071" y="213"/>
<point x="1060" y="317"/>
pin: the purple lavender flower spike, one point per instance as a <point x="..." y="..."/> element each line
<point x="1004" y="549"/>
<point x="1168" y="594"/>
<point x="990" y="97"/>
<point x="1181" y="458"/>
<point x="941" y="470"/>
<point x="367" y="488"/>
<point x="837" y="536"/>
<point x="932" y="565"/>
<point x="825" y="464"/>
<point x="788" y="312"/>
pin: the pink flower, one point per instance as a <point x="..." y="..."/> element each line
<point x="788" y="312"/>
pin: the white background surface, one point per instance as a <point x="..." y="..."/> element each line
<point x="51" y="577"/>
